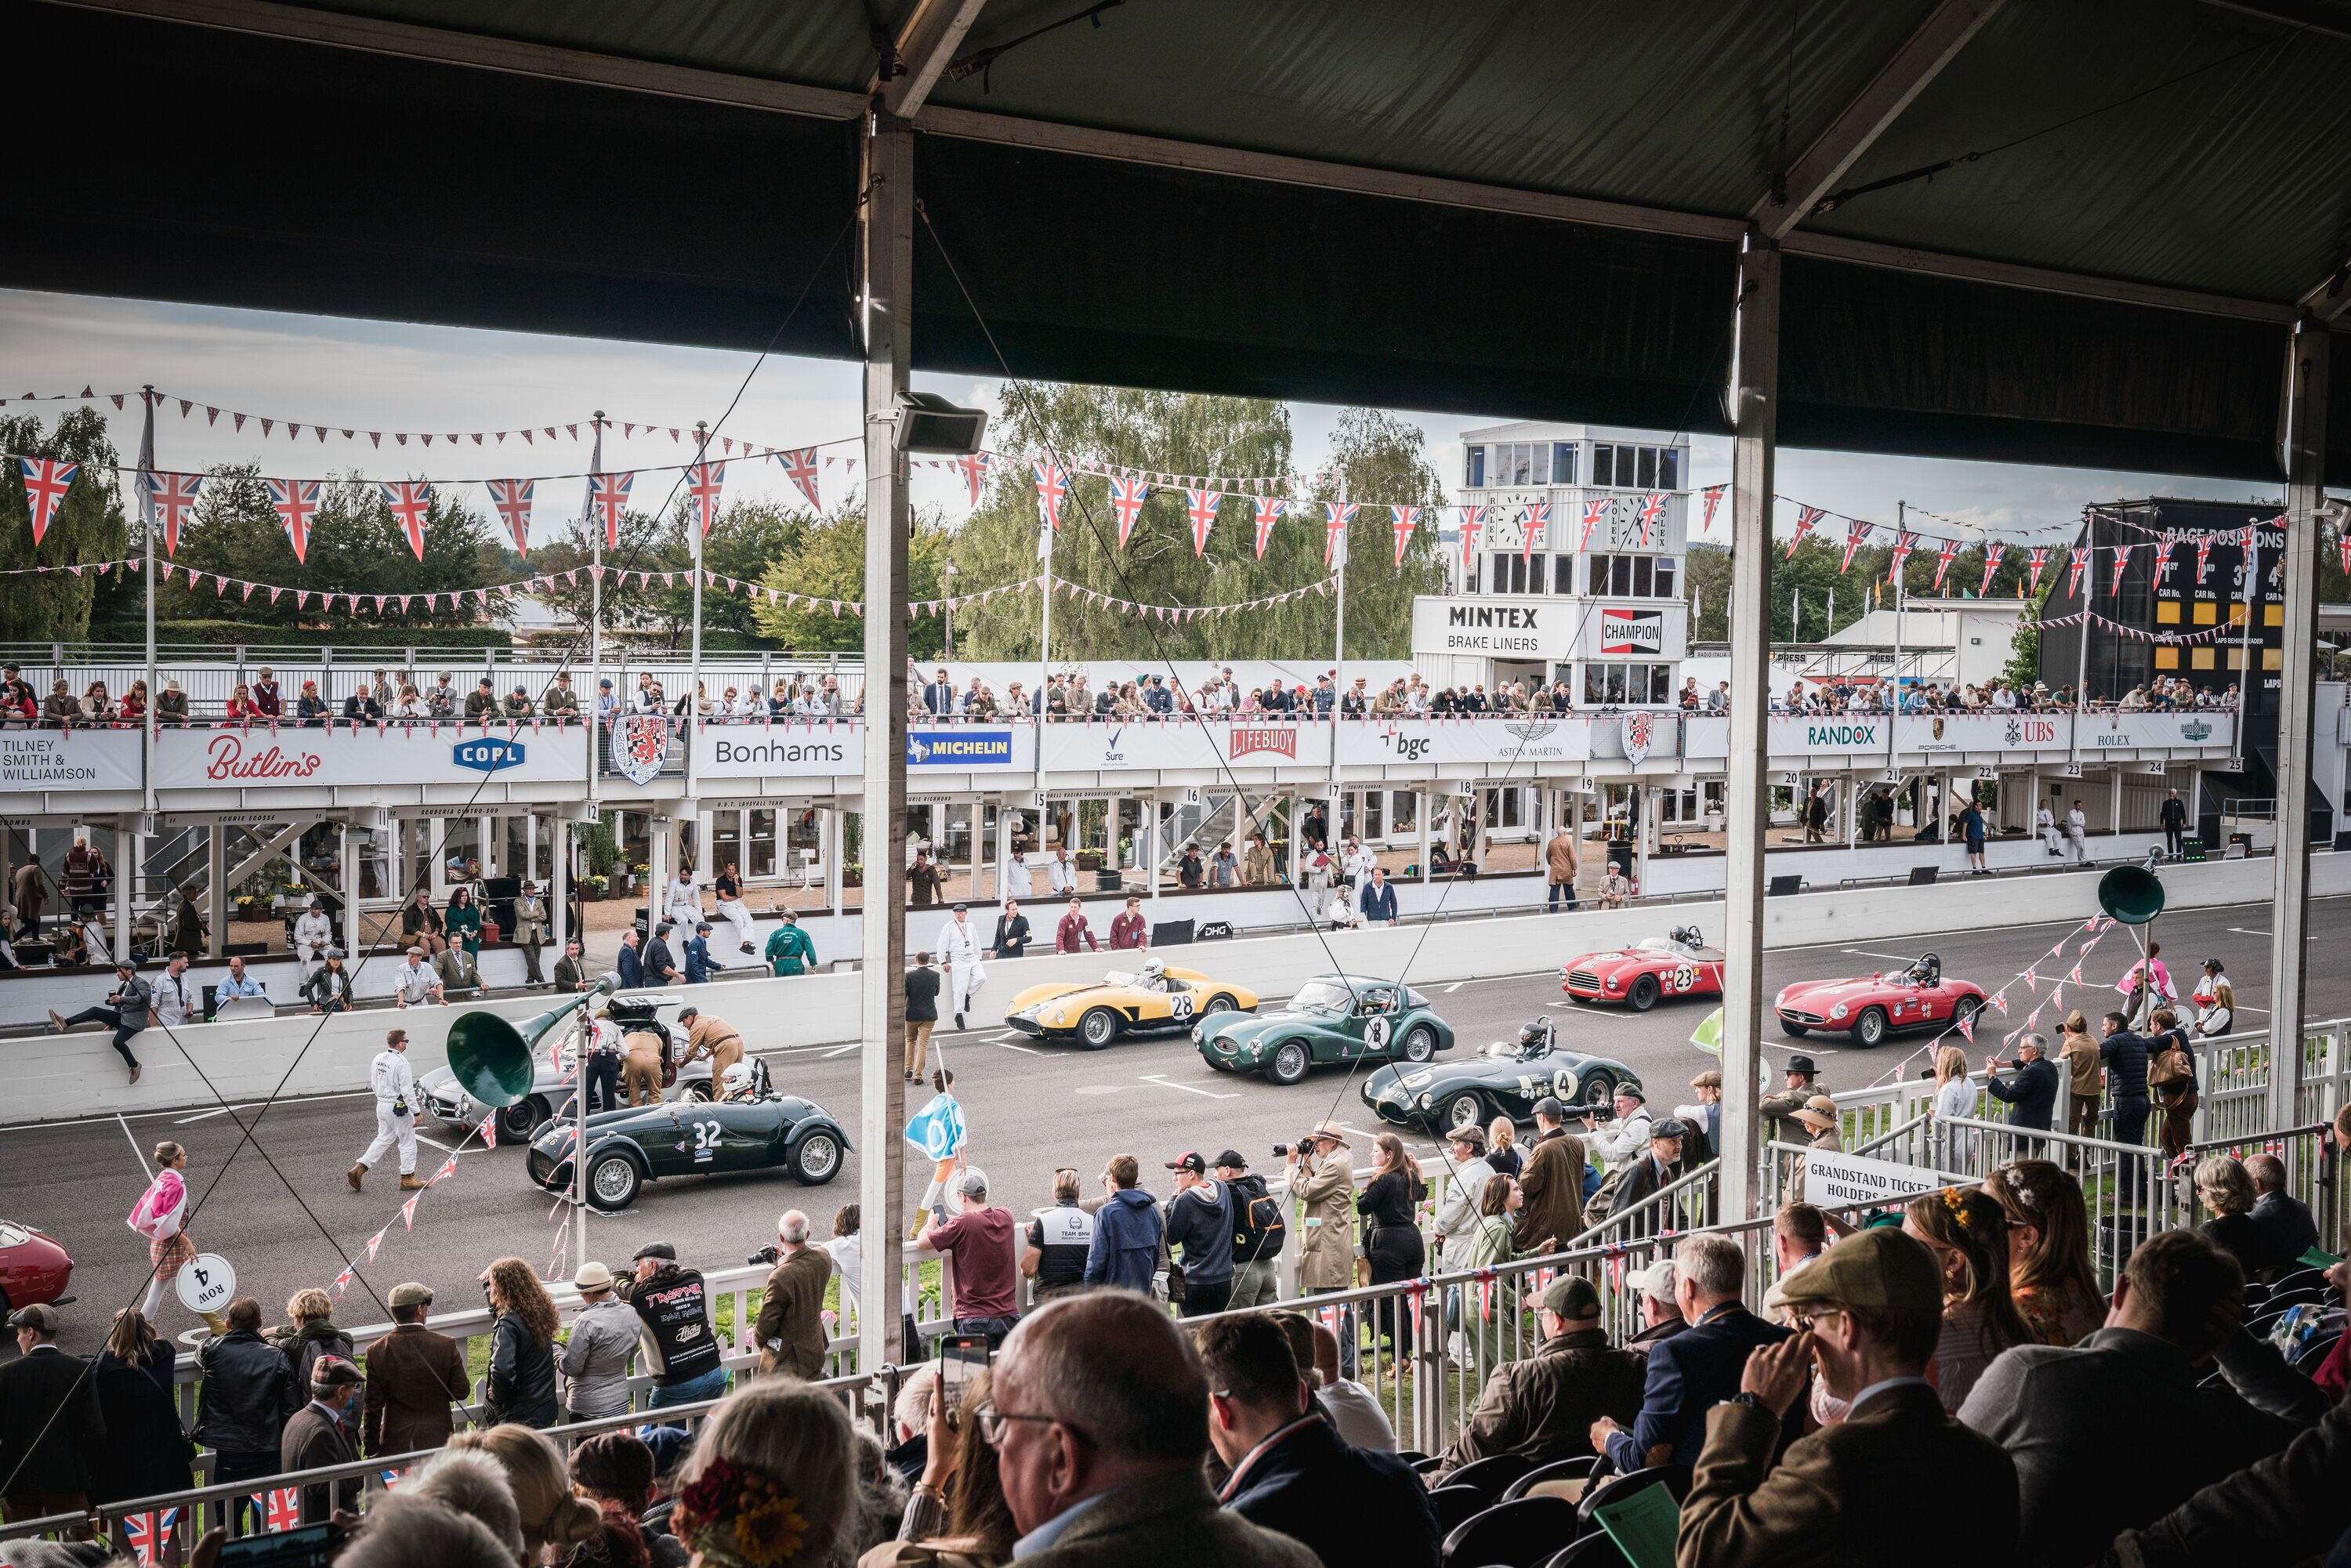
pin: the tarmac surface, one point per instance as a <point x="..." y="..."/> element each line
<point x="1030" y="1107"/>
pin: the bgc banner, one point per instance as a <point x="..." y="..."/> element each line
<point x="259" y="758"/>
<point x="1526" y="739"/>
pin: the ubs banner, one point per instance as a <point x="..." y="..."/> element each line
<point x="68" y="760"/>
<point x="342" y="758"/>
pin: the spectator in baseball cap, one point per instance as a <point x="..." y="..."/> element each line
<point x="1542" y="1407"/>
<point x="1200" y="1226"/>
<point x="1872" y="1311"/>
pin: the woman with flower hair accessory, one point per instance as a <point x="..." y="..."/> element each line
<point x="2049" y="1273"/>
<point x="1967" y="1230"/>
<point x="769" y="1482"/>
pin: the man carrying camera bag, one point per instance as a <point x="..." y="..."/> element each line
<point x="1259" y="1234"/>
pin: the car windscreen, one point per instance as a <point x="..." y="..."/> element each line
<point x="1322" y="997"/>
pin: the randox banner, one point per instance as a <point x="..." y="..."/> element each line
<point x="397" y="755"/>
<point x="93" y="759"/>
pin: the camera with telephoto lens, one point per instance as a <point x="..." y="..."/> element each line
<point x="1282" y="1150"/>
<point x="768" y="1254"/>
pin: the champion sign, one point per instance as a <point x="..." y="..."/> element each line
<point x="487" y="755"/>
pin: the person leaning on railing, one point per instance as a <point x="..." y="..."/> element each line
<point x="413" y="1376"/>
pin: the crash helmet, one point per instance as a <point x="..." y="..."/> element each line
<point x="736" y="1078"/>
<point x="1928" y="969"/>
<point x="1153" y="971"/>
<point x="1536" y="1032"/>
<point x="1687" y="936"/>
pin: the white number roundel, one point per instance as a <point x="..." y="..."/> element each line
<point x="1683" y="978"/>
<point x="1376" y="1034"/>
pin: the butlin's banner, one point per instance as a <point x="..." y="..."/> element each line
<point x="341" y="758"/>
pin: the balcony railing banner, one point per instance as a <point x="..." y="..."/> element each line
<point x="69" y="760"/>
<point x="541" y="751"/>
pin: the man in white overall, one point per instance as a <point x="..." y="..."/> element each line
<point x="2077" y="834"/>
<point x="394" y="1083"/>
<point x="313" y="934"/>
<point x="2044" y="822"/>
<point x="958" y="951"/>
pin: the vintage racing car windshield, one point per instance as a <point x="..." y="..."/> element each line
<point x="1322" y="997"/>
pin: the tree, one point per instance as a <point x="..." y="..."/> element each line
<point x="828" y="562"/>
<point x="89" y="526"/>
<point x="1804" y="584"/>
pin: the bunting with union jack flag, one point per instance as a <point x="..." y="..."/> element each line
<point x="2122" y="564"/>
<point x="512" y="499"/>
<point x="1126" y="497"/>
<point x="1857" y="534"/>
<point x="1268" y="512"/>
<point x="1473" y="519"/>
<point x="47" y="480"/>
<point x="1404" y="519"/>
<point x="608" y="495"/>
<point x="1994" y="556"/>
<point x="704" y="480"/>
<point x="2040" y="560"/>
<point x="1903" y="544"/>
<point x="410" y="501"/>
<point x="1537" y="521"/>
<point x="1807" y="519"/>
<point x="1653" y="509"/>
<point x="1594" y="514"/>
<point x="1200" y="506"/>
<point x="2080" y="564"/>
<point x="169" y="498"/>
<point x="799" y="466"/>
<point x="296" y="501"/>
<point x="1052" y="483"/>
<point x="1337" y="518"/>
<point x="1943" y="562"/>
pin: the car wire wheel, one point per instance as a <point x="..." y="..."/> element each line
<point x="613" y="1182"/>
<point x="816" y="1159"/>
<point x="1419" y="1043"/>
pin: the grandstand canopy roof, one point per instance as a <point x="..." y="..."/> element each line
<point x="1526" y="210"/>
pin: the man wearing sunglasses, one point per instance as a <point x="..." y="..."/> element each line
<point x="1099" y="1417"/>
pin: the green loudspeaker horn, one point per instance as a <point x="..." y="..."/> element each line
<point x="492" y="1058"/>
<point x="2132" y="894"/>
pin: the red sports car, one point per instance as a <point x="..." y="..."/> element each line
<point x="1916" y="999"/>
<point x="33" y="1268"/>
<point x="1677" y="964"/>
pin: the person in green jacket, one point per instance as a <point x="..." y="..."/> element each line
<point x="1494" y="1318"/>
<point x="789" y="950"/>
<point x="463" y="920"/>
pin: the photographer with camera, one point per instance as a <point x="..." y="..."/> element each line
<point x="1322" y="1183"/>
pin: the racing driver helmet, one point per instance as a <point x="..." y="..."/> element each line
<point x="1534" y="1037"/>
<point x="736" y="1081"/>
<point x="1154" y="974"/>
<point x="1928" y="969"/>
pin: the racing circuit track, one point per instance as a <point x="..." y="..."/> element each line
<point x="1030" y="1108"/>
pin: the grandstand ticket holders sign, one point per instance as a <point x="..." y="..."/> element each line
<point x="55" y="759"/>
<point x="1833" y="1180"/>
<point x="1182" y="744"/>
<point x="289" y="757"/>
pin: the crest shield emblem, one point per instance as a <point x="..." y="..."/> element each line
<point x="640" y="746"/>
<point x="1638" y="729"/>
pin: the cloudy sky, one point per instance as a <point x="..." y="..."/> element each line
<point x="379" y="375"/>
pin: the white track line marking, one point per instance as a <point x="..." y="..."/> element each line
<point x="1898" y="957"/>
<point x="434" y="1142"/>
<point x="1453" y="987"/>
<point x="1025" y="1051"/>
<point x="842" y="1050"/>
<point x="1161" y="1080"/>
<point x="202" y="1116"/>
<point x="136" y="1152"/>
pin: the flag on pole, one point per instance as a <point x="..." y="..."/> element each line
<point x="512" y="499"/>
<point x="1052" y="483"/>
<point x="1201" y="508"/>
<point x="410" y="501"/>
<point x="1268" y="512"/>
<point x="1336" y="517"/>
<point x="47" y="480"/>
<point x="704" y="480"/>
<point x="1405" y="519"/>
<point x="296" y="501"/>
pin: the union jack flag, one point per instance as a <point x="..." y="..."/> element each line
<point x="1052" y="483"/>
<point x="169" y="498"/>
<point x="1594" y="514"/>
<point x="2080" y="564"/>
<point x="296" y="501"/>
<point x="1405" y="518"/>
<point x="281" y="1507"/>
<point x="410" y="501"/>
<point x="1903" y="544"/>
<point x="1538" y="523"/>
<point x="2203" y="554"/>
<point x="512" y="499"/>
<point x="148" y="1534"/>
<point x="1994" y="556"/>
<point x="1807" y="519"/>
<point x="703" y="483"/>
<point x="2343" y="544"/>
<point x="1966" y="1024"/>
<point x="1268" y="512"/>
<point x="608" y="495"/>
<point x="47" y="479"/>
<point x="2122" y="564"/>
<point x="1337" y="518"/>
<point x="1201" y="508"/>
<point x="2040" y="558"/>
<point x="1653" y="508"/>
<point x="1473" y="519"/>
<point x="799" y="464"/>
<point x="1857" y="534"/>
<point x="973" y="465"/>
<point x="1943" y="562"/>
<point x="1126" y="498"/>
<point x="1713" y="494"/>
